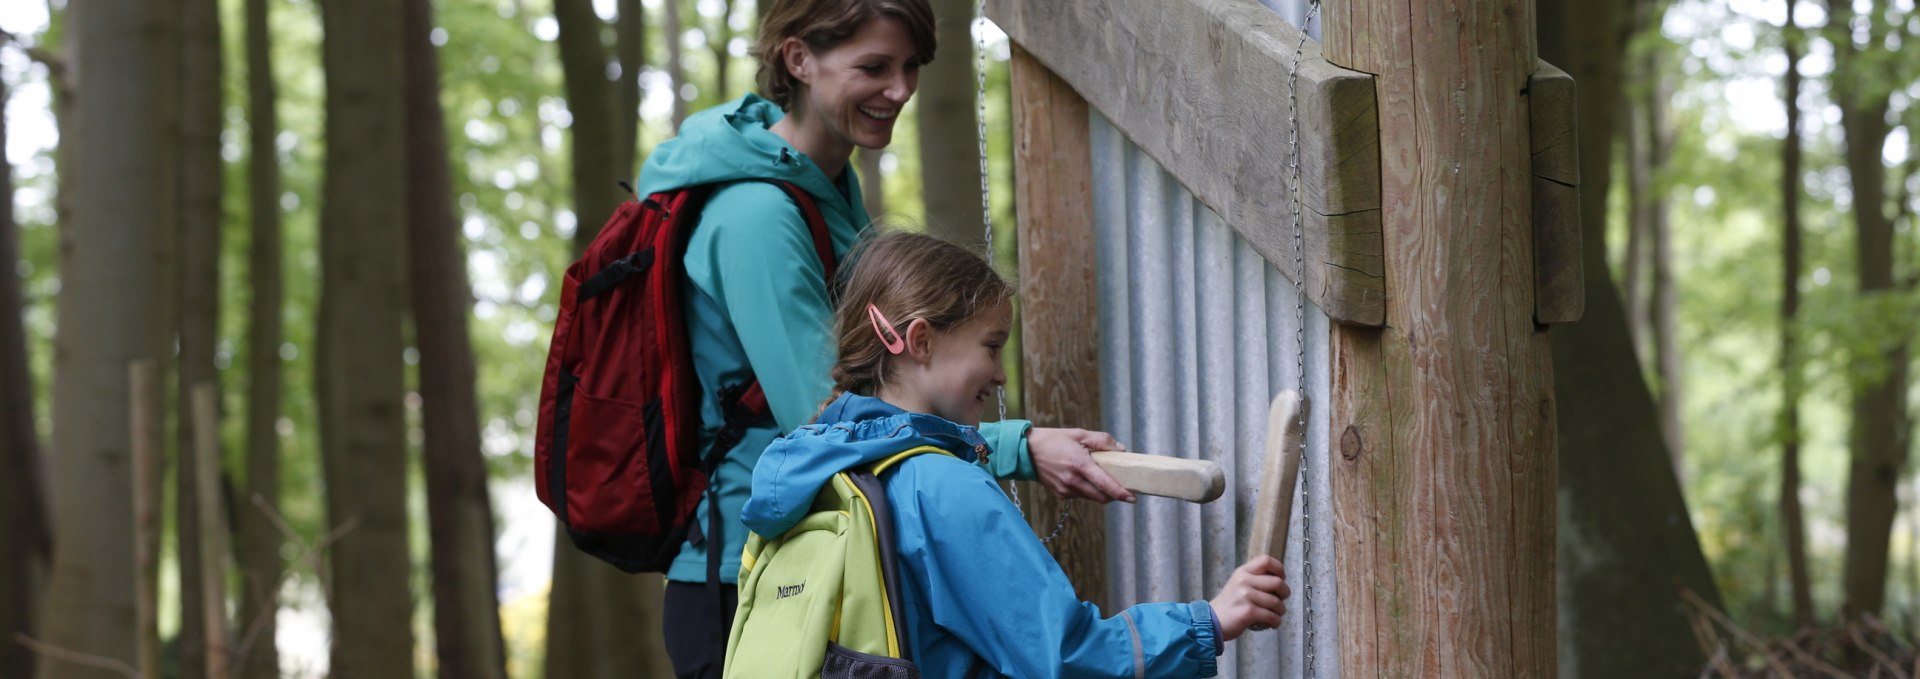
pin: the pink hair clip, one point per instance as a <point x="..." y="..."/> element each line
<point x="882" y="327"/>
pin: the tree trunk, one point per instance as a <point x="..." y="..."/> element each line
<point x="1664" y="317"/>
<point x="258" y="549"/>
<point x="466" y="613"/>
<point x="600" y="622"/>
<point x="633" y="59"/>
<point x="1878" y="442"/>
<point x="362" y="308"/>
<point x="1626" y="541"/>
<point x="674" y="34"/>
<point x="717" y="39"/>
<point x="1633" y="265"/>
<point x="198" y="296"/>
<point x="112" y="311"/>
<point x="873" y="191"/>
<point x="25" y="544"/>
<point x="583" y="63"/>
<point x="948" y="116"/>
<point x="1792" y="518"/>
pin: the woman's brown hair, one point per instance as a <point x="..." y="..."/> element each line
<point x="906" y="276"/>
<point x="822" y="24"/>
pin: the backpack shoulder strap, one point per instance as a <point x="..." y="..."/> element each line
<point x="868" y="482"/>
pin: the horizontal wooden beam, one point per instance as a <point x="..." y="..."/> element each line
<point x="1559" y="281"/>
<point x="1203" y="87"/>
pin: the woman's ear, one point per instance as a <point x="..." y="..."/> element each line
<point x="798" y="58"/>
<point x="919" y="337"/>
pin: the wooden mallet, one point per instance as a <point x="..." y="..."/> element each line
<point x="1175" y="477"/>
<point x="1286" y="428"/>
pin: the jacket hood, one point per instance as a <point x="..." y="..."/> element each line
<point x="732" y="142"/>
<point x="863" y="430"/>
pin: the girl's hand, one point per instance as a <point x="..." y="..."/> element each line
<point x="1062" y="460"/>
<point x="1252" y="597"/>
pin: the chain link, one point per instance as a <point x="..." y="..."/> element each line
<point x="986" y="219"/>
<point x="1300" y="331"/>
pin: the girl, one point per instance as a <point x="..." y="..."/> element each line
<point x="834" y="75"/>
<point x="919" y="327"/>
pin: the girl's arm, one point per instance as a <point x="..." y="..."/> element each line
<point x="983" y="578"/>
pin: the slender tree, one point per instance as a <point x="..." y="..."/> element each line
<point x="197" y="294"/>
<point x="1792" y="518"/>
<point x="1878" y="440"/>
<point x="600" y="622"/>
<point x="111" y="313"/>
<point x="258" y="549"/>
<point x="872" y="187"/>
<point x="1664" y="312"/>
<point x="632" y="31"/>
<point x="1633" y="262"/>
<point x="717" y="38"/>
<point x="675" y="34"/>
<point x="466" y="618"/>
<point x="949" y="134"/>
<point x="362" y="307"/>
<point x="1626" y="541"/>
<point x="25" y="544"/>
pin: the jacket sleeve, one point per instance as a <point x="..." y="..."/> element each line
<point x="770" y="282"/>
<point x="986" y="579"/>
<point x="1011" y="458"/>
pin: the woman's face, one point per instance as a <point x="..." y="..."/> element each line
<point x="855" y="89"/>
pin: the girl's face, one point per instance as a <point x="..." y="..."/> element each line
<point x="855" y="89"/>
<point x="962" y="369"/>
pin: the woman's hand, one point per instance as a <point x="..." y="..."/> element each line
<point x="1064" y="463"/>
<point x="1253" y="596"/>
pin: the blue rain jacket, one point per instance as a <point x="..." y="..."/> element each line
<point x="981" y="596"/>
<point x="758" y="303"/>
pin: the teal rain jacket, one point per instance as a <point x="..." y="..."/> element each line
<point x="981" y="595"/>
<point x="758" y="304"/>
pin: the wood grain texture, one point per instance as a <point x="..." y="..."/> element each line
<point x="1444" y="419"/>
<point x="1180" y="478"/>
<point x="1060" y="350"/>
<point x="1201" y="86"/>
<point x="1280" y="469"/>
<point x="1559" y="279"/>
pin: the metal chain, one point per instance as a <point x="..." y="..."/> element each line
<point x="1300" y="328"/>
<point x="986" y="218"/>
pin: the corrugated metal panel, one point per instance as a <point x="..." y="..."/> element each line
<point x="1198" y="333"/>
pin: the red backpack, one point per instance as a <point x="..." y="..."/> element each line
<point x="617" y="455"/>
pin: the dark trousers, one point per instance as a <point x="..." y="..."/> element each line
<point x="696" y="630"/>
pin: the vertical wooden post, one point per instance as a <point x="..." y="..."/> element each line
<point x="1444" y="419"/>
<point x="1059" y="350"/>
<point x="143" y="386"/>
<point x="208" y="512"/>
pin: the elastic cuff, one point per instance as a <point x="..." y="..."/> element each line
<point x="1011" y="459"/>
<point x="1206" y="630"/>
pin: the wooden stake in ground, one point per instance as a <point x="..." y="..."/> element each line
<point x="213" y="527"/>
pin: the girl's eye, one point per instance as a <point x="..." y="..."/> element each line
<point x="873" y="69"/>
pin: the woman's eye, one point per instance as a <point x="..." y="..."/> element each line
<point x="873" y="69"/>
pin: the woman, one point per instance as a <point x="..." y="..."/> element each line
<point x="836" y="74"/>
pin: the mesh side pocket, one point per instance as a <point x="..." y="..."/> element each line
<point x="846" y="663"/>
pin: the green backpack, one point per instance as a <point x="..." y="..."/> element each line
<point x="822" y="599"/>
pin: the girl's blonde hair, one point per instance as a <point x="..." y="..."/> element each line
<point x="822" y="24"/>
<point x="906" y="276"/>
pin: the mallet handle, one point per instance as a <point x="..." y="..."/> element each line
<point x="1174" y="477"/>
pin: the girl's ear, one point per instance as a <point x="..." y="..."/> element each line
<point x="799" y="60"/>
<point x="919" y="336"/>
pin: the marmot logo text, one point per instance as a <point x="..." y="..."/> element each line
<point x="790" y="590"/>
